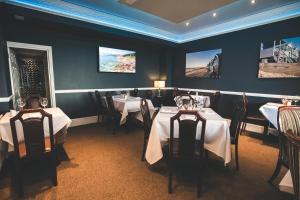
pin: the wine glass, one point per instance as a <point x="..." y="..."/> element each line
<point x="21" y="103"/>
<point x="44" y="102"/>
<point x="179" y="102"/>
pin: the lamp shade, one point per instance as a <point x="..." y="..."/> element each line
<point x="159" y="84"/>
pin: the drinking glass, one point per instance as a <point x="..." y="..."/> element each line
<point x="44" y="102"/>
<point x="21" y="103"/>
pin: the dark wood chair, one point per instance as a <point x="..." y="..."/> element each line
<point x="186" y="149"/>
<point x="187" y="99"/>
<point x="148" y="94"/>
<point x="102" y="110"/>
<point x="237" y="118"/>
<point x="215" y="101"/>
<point x="285" y="122"/>
<point x="113" y="114"/>
<point x="147" y="123"/>
<point x="293" y="145"/>
<point x="134" y="92"/>
<point x="33" y="102"/>
<point x="35" y="147"/>
<point x="253" y="116"/>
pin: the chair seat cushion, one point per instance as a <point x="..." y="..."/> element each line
<point x="256" y="119"/>
<point x="176" y="149"/>
<point x="22" y="147"/>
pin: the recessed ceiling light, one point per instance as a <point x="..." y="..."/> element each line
<point x="187" y="23"/>
<point x="214" y="14"/>
<point x="253" y="1"/>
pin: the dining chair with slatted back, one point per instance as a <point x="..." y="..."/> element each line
<point x="293" y="146"/>
<point x="215" y="101"/>
<point x="286" y="119"/>
<point x="148" y="94"/>
<point x="235" y="128"/>
<point x="35" y="145"/>
<point x="102" y="110"/>
<point x="112" y="112"/>
<point x="146" y="124"/>
<point x="186" y="149"/>
<point x="134" y="92"/>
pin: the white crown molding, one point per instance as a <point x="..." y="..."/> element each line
<point x="77" y="12"/>
<point x="266" y="17"/>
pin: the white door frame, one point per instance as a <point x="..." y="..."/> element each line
<point x="48" y="49"/>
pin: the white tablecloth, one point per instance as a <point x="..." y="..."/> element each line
<point x="130" y="105"/>
<point x="217" y="135"/>
<point x="270" y="111"/>
<point x="60" y="120"/>
<point x="286" y="184"/>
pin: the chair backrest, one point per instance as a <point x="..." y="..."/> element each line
<point x="187" y="133"/>
<point x="289" y="118"/>
<point x="146" y="116"/>
<point x="101" y="104"/>
<point x="33" y="129"/>
<point x="215" y="101"/>
<point x="148" y="94"/>
<point x="110" y="103"/>
<point x="238" y="116"/>
<point x="33" y="102"/>
<point x="134" y="92"/>
<point x="293" y="145"/>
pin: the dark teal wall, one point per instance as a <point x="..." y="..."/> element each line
<point x="240" y="57"/>
<point x="75" y="55"/>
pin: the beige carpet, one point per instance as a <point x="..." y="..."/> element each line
<point x="108" y="167"/>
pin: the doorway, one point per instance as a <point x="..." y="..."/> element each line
<point x="31" y="71"/>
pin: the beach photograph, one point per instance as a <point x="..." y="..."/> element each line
<point x="280" y="59"/>
<point x="203" y="64"/>
<point x="116" y="60"/>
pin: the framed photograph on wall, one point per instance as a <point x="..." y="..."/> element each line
<point x="203" y="64"/>
<point x="116" y="60"/>
<point x="280" y="58"/>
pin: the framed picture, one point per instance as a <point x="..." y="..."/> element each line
<point x="116" y="60"/>
<point x="280" y="58"/>
<point x="203" y="64"/>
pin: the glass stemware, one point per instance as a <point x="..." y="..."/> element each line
<point x="44" y="102"/>
<point x="21" y="103"/>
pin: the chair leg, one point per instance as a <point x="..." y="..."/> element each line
<point x="144" y="148"/>
<point x="53" y="169"/>
<point x="98" y="119"/>
<point x="199" y="182"/>
<point x="276" y="171"/>
<point x="266" y="130"/>
<point x="19" y="180"/>
<point x="170" y="180"/>
<point x="237" y="157"/>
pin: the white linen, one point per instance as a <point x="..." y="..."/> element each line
<point x="270" y="111"/>
<point x="217" y="135"/>
<point x="60" y="120"/>
<point x="286" y="184"/>
<point x="130" y="105"/>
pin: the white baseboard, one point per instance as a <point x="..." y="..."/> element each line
<point x="93" y="119"/>
<point x="84" y="121"/>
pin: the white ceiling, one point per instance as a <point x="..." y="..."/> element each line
<point x="234" y="16"/>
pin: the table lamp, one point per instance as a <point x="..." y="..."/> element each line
<point x="159" y="84"/>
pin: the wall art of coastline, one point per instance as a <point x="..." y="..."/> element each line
<point x="203" y="64"/>
<point x="116" y="60"/>
<point x="280" y="59"/>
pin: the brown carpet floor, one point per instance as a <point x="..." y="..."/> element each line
<point x="108" y="167"/>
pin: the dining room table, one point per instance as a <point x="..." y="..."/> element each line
<point x="61" y="122"/>
<point x="127" y="104"/>
<point x="217" y="134"/>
